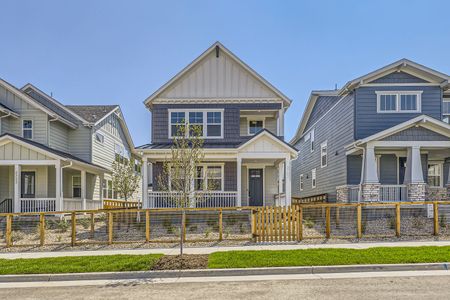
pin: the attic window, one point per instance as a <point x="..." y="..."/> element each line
<point x="99" y="138"/>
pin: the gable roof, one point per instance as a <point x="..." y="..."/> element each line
<point x="217" y="46"/>
<point x="92" y="113"/>
<point x="5" y="109"/>
<point x="270" y="135"/>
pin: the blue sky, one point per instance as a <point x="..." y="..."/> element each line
<point x="119" y="52"/>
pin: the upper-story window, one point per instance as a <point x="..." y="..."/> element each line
<point x="313" y="178"/>
<point x="446" y="110"/>
<point x="323" y="155"/>
<point x="27" y="129"/>
<point x="99" y="138"/>
<point x="254" y="126"/>
<point x="301" y="182"/>
<point x="209" y="123"/>
<point x="399" y="102"/>
<point x="310" y="137"/>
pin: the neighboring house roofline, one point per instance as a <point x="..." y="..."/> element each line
<point x="153" y="96"/>
<point x="422" y="119"/>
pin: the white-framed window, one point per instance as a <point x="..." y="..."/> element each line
<point x="210" y="122"/>
<point x="446" y="110"/>
<point x="207" y="177"/>
<point x="76" y="186"/>
<point x="323" y="155"/>
<point x="312" y="139"/>
<point x="214" y="178"/>
<point x="255" y="126"/>
<point x="27" y="129"/>
<point x="99" y="138"/>
<point x="399" y="101"/>
<point x="435" y="174"/>
<point x="313" y="178"/>
<point x="301" y="182"/>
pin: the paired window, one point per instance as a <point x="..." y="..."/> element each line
<point x="435" y="174"/>
<point x="204" y="123"/>
<point x="254" y="126"/>
<point x="323" y="155"/>
<point x="395" y="102"/>
<point x="27" y="129"/>
<point x="207" y="178"/>
<point x="76" y="186"/>
<point x="108" y="190"/>
<point x="121" y="154"/>
<point x="313" y="178"/>
<point x="301" y="182"/>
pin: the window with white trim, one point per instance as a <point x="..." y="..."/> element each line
<point x="209" y="122"/>
<point x="99" y="138"/>
<point x="435" y="174"/>
<point x="313" y="178"/>
<point x="27" y="129"/>
<point x="255" y="126"/>
<point x="446" y="110"/>
<point x="399" y="102"/>
<point x="323" y="155"/>
<point x="206" y="178"/>
<point x="312" y="139"/>
<point x="301" y="182"/>
<point x="76" y="186"/>
<point x="214" y="178"/>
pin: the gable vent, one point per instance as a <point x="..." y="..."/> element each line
<point x="217" y="51"/>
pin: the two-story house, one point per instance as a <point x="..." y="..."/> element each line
<point x="382" y="137"/>
<point x="242" y="116"/>
<point x="55" y="157"/>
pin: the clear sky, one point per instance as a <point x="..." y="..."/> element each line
<point x="120" y="52"/>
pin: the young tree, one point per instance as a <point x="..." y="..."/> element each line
<point x="124" y="178"/>
<point x="179" y="171"/>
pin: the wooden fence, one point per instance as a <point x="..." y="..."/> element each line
<point x="119" y="204"/>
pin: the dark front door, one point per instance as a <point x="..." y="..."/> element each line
<point x="255" y="187"/>
<point x="28" y="184"/>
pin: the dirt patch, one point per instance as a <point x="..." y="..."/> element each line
<point x="185" y="262"/>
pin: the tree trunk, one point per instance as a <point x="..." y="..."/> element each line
<point x="183" y="219"/>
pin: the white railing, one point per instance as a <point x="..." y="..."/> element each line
<point x="158" y="199"/>
<point x="280" y="199"/>
<point x="37" y="204"/>
<point x="77" y="204"/>
<point x="353" y="193"/>
<point x="398" y="192"/>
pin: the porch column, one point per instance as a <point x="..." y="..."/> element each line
<point x="145" y="183"/>
<point x="58" y="175"/>
<point x="416" y="165"/>
<point x="281" y="172"/>
<point x="370" y="166"/>
<point x="17" y="179"/>
<point x="414" y="178"/>
<point x="239" y="181"/>
<point x="281" y="122"/>
<point x="102" y="180"/>
<point x="288" y="181"/>
<point x="83" y="190"/>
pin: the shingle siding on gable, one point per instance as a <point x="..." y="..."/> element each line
<point x="368" y="121"/>
<point x="323" y="104"/>
<point x="399" y="77"/>
<point x="416" y="134"/>
<point x="160" y="121"/>
<point x="337" y="129"/>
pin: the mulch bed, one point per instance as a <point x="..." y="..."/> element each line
<point x="185" y="262"/>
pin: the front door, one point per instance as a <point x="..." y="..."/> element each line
<point x="255" y="187"/>
<point x="28" y="184"/>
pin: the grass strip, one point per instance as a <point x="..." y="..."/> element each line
<point x="327" y="257"/>
<point x="78" y="264"/>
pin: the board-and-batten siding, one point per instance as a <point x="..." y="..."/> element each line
<point x="335" y="127"/>
<point x="14" y="151"/>
<point x="218" y="77"/>
<point x="59" y="136"/>
<point x="399" y="77"/>
<point x="27" y="112"/>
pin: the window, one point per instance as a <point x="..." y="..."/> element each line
<point x="28" y="184"/>
<point x="99" y="138"/>
<point x="214" y="178"/>
<point x="446" y="110"/>
<point x="199" y="180"/>
<point x="137" y="166"/>
<point x="110" y="189"/>
<point x="206" y="178"/>
<point x="301" y="182"/>
<point x="313" y="178"/>
<point x="76" y="186"/>
<point x="209" y="123"/>
<point x="394" y="102"/>
<point x="323" y="155"/>
<point x="434" y="174"/>
<point x="254" y="126"/>
<point x="312" y="140"/>
<point x="27" y="129"/>
<point x="105" y="189"/>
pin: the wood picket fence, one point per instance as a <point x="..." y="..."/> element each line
<point x="277" y="224"/>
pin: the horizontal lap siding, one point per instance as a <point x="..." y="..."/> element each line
<point x="323" y="104"/>
<point x="336" y="127"/>
<point x="354" y="165"/>
<point x="59" y="136"/>
<point x="369" y="122"/>
<point x="399" y="77"/>
<point x="80" y="143"/>
<point x="388" y="169"/>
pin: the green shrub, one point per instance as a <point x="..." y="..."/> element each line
<point x="391" y="222"/>
<point x="309" y="223"/>
<point x="86" y="223"/>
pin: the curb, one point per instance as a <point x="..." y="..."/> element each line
<point x="139" y="275"/>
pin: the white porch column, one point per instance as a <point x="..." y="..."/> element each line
<point x="58" y="193"/>
<point x="281" y="172"/>
<point x="83" y="190"/>
<point x="370" y="166"/>
<point x="145" y="183"/>
<point x="288" y="181"/>
<point x="416" y="165"/>
<point x="281" y="122"/>
<point x="102" y="181"/>
<point x="17" y="179"/>
<point x="239" y="181"/>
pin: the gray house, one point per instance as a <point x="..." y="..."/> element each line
<point x="55" y="157"/>
<point x="382" y="137"/>
<point x="242" y="116"/>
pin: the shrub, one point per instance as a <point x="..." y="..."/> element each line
<point x="309" y="223"/>
<point x="86" y="223"/>
<point x="391" y="222"/>
<point x="442" y="221"/>
<point x="207" y="232"/>
<point x="242" y="228"/>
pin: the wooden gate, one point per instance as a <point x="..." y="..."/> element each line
<point x="278" y="224"/>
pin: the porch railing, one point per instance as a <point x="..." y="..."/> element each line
<point x="157" y="199"/>
<point x="37" y="204"/>
<point x="6" y="205"/>
<point x="395" y="193"/>
<point x="77" y="204"/>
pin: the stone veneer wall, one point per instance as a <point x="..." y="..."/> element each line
<point x="437" y="194"/>
<point x="370" y="192"/>
<point x="417" y="191"/>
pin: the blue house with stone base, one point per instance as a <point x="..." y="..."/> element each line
<point x="384" y="136"/>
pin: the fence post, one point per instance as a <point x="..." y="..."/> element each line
<point x="92" y="225"/>
<point x="397" y="220"/>
<point x="110" y="228"/>
<point x="253" y="226"/>
<point x="436" y="218"/>
<point x="358" y="221"/>
<point x="220" y="225"/>
<point x="338" y="221"/>
<point x="74" y="229"/>
<point x="183" y="229"/>
<point x="327" y="222"/>
<point x="299" y="224"/>
<point x="147" y="226"/>
<point x="42" y="229"/>
<point x="8" y="230"/>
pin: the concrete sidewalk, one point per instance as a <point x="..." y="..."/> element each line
<point x="209" y="250"/>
